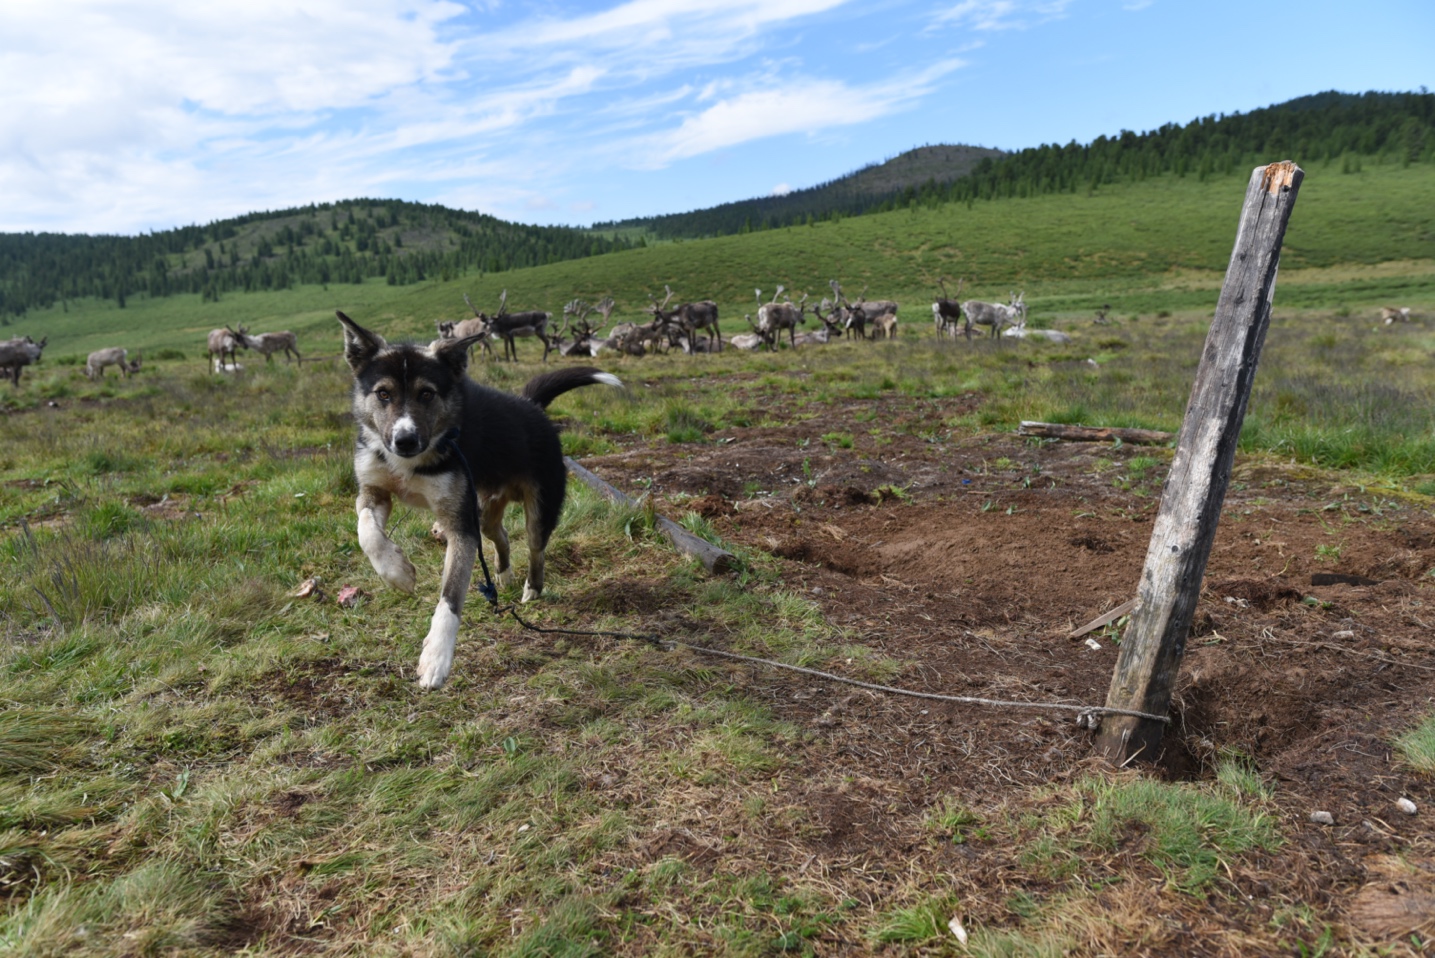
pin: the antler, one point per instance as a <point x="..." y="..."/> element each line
<point x="669" y="290"/>
<point x="759" y="296"/>
<point x="502" y="302"/>
<point x="471" y="306"/>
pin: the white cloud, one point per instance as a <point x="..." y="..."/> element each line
<point x="989" y="15"/>
<point x="781" y="189"/>
<point x="802" y="106"/>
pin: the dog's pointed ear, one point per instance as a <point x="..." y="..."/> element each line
<point x="360" y="345"/>
<point x="453" y="353"/>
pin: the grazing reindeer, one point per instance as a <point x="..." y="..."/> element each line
<point x="1101" y="312"/>
<point x="995" y="315"/>
<point x="859" y="313"/>
<point x="16" y="354"/>
<point x="688" y="319"/>
<point x="225" y="342"/>
<point x="947" y="310"/>
<point x="774" y="317"/>
<point x="1392" y="314"/>
<point x="508" y="326"/>
<point x="96" y="362"/>
<point x="268" y="344"/>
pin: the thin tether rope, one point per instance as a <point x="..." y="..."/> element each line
<point x="1086" y="714"/>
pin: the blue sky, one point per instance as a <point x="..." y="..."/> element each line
<point x="122" y="116"/>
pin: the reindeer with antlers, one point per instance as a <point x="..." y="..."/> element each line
<point x="947" y="310"/>
<point x="508" y="326"/>
<point x="774" y="317"/>
<point x="688" y="319"/>
<point x="860" y="313"/>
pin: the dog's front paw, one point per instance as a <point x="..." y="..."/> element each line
<point x="395" y="568"/>
<point x="434" y="667"/>
<point x="436" y="661"/>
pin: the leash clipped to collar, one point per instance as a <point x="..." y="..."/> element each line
<point x="488" y="590"/>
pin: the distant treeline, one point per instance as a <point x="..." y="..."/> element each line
<point x="343" y="242"/>
<point x="1324" y="126"/>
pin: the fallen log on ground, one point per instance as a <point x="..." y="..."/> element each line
<point x="714" y="559"/>
<point x="1056" y="430"/>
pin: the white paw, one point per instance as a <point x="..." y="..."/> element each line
<point x="529" y="593"/>
<point x="395" y="569"/>
<point x="438" y="534"/>
<point x="434" y="667"/>
<point x="504" y="579"/>
<point x="436" y="660"/>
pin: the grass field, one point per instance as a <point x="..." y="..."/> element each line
<point x="1355" y="240"/>
<point x="194" y="761"/>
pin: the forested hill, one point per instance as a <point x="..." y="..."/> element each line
<point x="880" y="186"/>
<point x="1324" y="126"/>
<point x="343" y="242"/>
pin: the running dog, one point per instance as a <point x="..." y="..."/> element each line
<point x="435" y="439"/>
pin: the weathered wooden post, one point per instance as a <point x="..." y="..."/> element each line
<point x="1200" y="472"/>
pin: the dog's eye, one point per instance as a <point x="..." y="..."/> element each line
<point x="426" y="395"/>
<point x="384" y="395"/>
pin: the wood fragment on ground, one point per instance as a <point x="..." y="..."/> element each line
<point x="1077" y="433"/>
<point x="714" y="559"/>
<point x="1106" y="618"/>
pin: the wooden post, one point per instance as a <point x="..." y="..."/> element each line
<point x="1200" y="472"/>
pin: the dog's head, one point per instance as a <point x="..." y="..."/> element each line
<point x="406" y="396"/>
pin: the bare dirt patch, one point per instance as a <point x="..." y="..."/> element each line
<point x="971" y="558"/>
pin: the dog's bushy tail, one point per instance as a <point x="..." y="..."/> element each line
<point x="545" y="388"/>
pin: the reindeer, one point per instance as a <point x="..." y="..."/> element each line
<point x="832" y="315"/>
<point x="585" y="334"/>
<point x="995" y="315"/>
<point x="774" y="317"/>
<point x="225" y="342"/>
<point x="466" y="329"/>
<point x="1394" y="314"/>
<point x="862" y="311"/>
<point x="16" y="354"/>
<point x="270" y="343"/>
<point x="947" y="310"/>
<point x="688" y="319"/>
<point x="508" y="326"/>
<point x="884" y="326"/>
<point x="96" y="362"/>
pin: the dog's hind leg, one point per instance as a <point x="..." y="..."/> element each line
<point x="494" y="532"/>
<point x="537" y="545"/>
<point x="388" y="560"/>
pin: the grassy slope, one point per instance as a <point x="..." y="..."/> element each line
<point x="1161" y="244"/>
<point x="192" y="761"/>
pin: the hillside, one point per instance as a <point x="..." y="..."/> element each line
<point x="872" y="188"/>
<point x="1323" y="126"/>
<point x="1355" y="239"/>
<point x="346" y="242"/>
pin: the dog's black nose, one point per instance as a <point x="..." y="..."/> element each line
<point x="407" y="444"/>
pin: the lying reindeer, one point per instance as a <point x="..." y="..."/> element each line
<point x="96" y="362"/>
